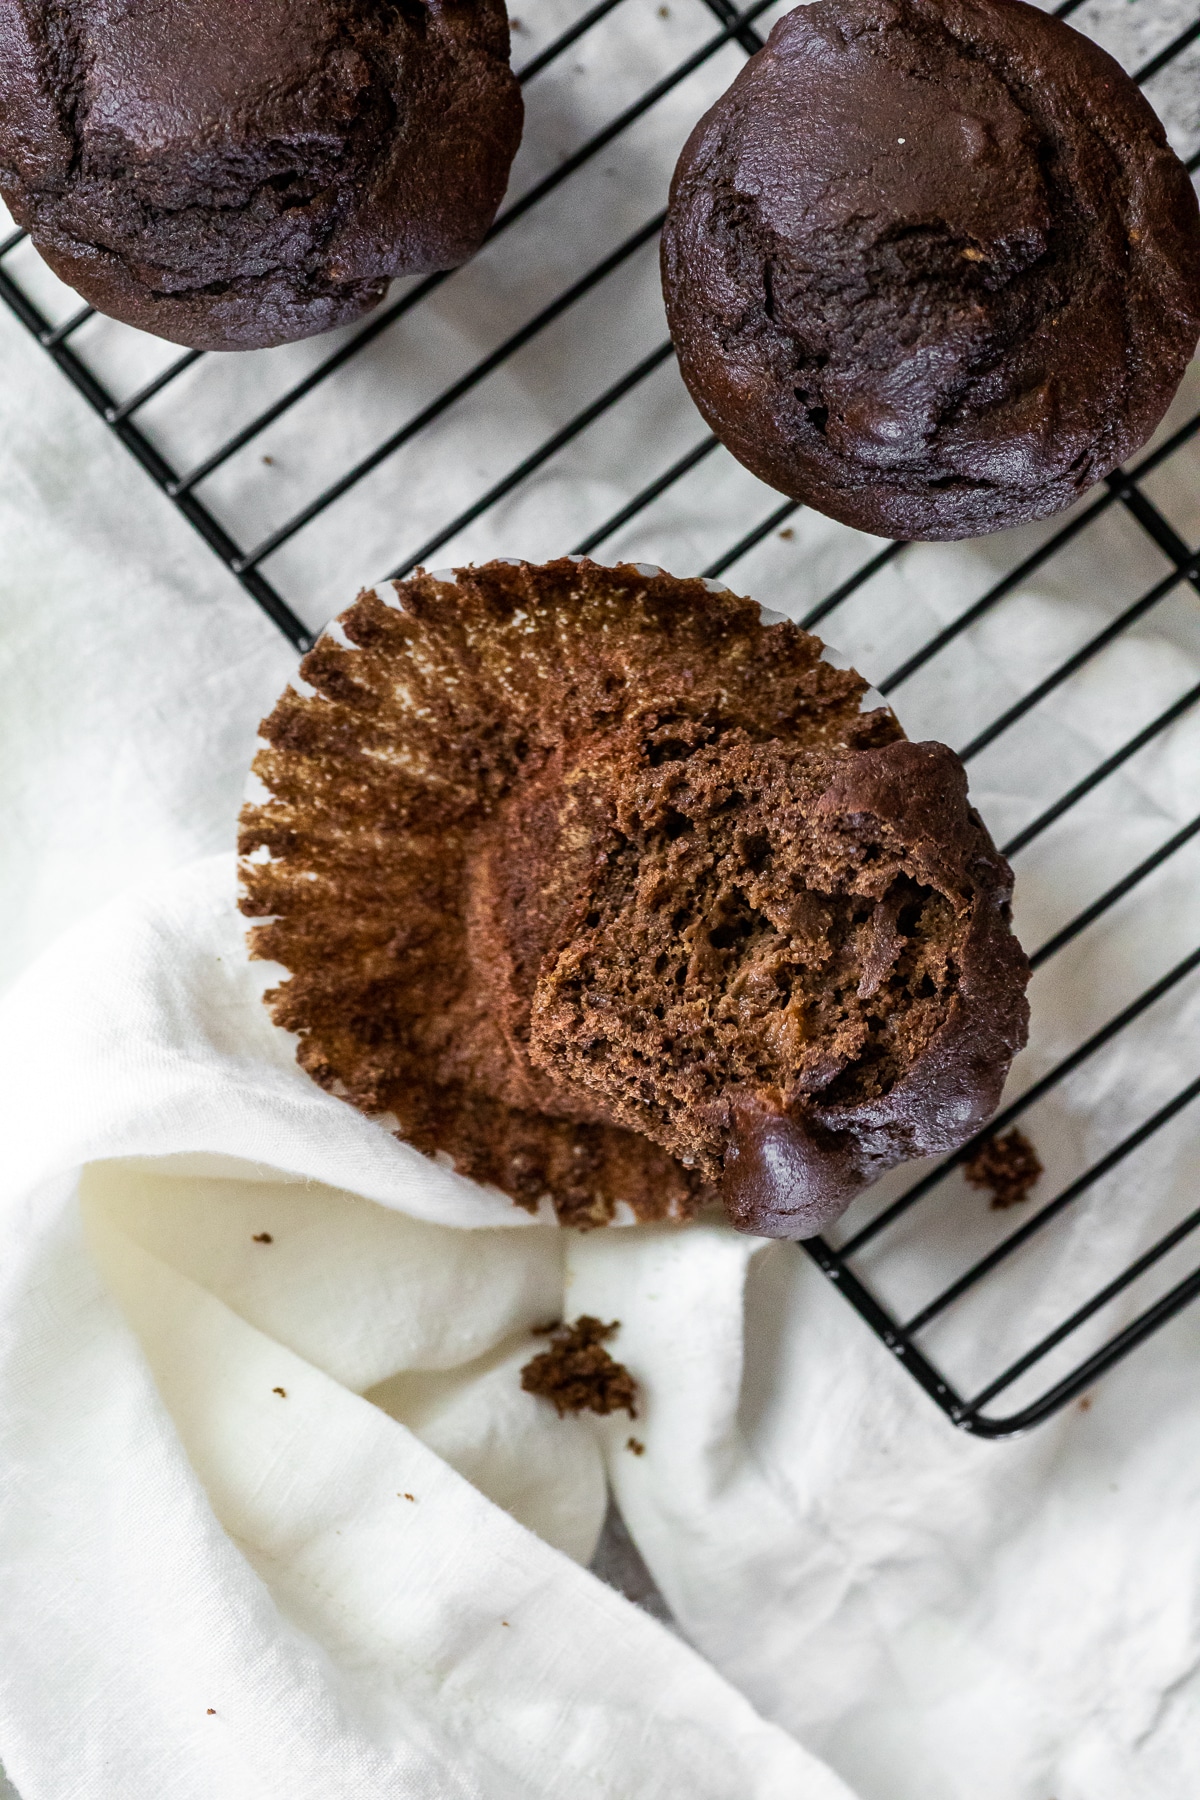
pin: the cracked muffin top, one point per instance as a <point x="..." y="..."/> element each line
<point x="930" y="265"/>
<point x="238" y="173"/>
<point x="595" y="884"/>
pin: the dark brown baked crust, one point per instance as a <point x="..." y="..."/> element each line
<point x="461" y="823"/>
<point x="235" y="173"/>
<point x="930" y="265"/>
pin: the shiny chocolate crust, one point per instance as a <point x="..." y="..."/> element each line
<point x="230" y="174"/>
<point x="930" y="265"/>
<point x="448" y="864"/>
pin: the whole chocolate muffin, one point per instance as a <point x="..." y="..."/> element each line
<point x="235" y="173"/>
<point x="930" y="265"/>
<point x="613" y="894"/>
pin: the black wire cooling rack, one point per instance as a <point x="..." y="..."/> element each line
<point x="669" y="56"/>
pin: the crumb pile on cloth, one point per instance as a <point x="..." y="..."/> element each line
<point x="577" y="1374"/>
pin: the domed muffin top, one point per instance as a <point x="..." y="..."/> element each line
<point x="234" y="173"/>
<point x="931" y="265"/>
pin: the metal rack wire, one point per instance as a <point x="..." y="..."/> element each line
<point x="854" y="1262"/>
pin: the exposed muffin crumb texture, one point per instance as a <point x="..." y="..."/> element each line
<point x="614" y="896"/>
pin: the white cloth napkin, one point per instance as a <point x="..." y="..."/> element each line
<point x="937" y="1619"/>
<point x="202" y="1512"/>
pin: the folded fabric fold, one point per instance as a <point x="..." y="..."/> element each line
<point x="239" y="1556"/>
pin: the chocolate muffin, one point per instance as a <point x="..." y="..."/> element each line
<point x="594" y="883"/>
<point x="235" y="173"/>
<point x="930" y="265"/>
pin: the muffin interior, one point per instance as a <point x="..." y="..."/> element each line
<point x="732" y="940"/>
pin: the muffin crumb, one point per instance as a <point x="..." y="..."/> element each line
<point x="577" y="1374"/>
<point x="1009" y="1166"/>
